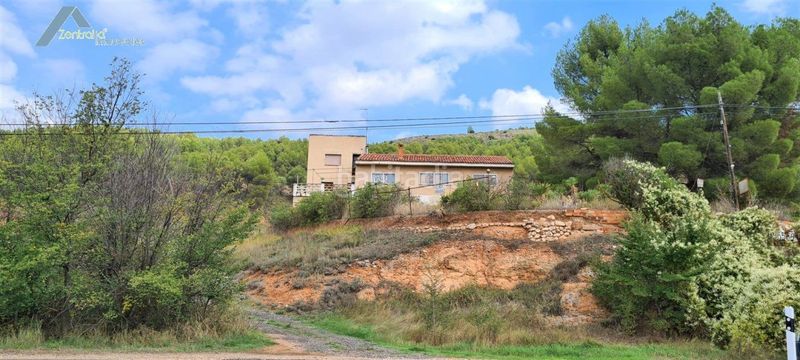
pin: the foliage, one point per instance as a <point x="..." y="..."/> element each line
<point x="284" y="217"/>
<point x="470" y="196"/>
<point x="523" y="147"/>
<point x="645" y="284"/>
<point x="105" y="229"/>
<point x="374" y="200"/>
<point x="681" y="269"/>
<point x="642" y="68"/>
<point x="267" y="167"/>
<point x="317" y="208"/>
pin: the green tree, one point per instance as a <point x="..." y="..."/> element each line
<point x="657" y="71"/>
<point x="107" y="230"/>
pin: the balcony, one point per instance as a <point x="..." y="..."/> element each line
<point x="302" y="190"/>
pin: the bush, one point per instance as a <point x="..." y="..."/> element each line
<point x="317" y="208"/>
<point x="470" y="196"/>
<point x="374" y="200"/>
<point x="680" y="269"/>
<point x="645" y="284"/>
<point x="322" y="207"/>
<point x="283" y="217"/>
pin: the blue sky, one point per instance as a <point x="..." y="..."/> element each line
<point x="216" y="60"/>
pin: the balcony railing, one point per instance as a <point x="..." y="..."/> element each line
<point x="300" y="190"/>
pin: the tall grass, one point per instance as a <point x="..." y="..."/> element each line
<point x="228" y="330"/>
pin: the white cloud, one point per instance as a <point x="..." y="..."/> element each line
<point x="463" y="101"/>
<point x="185" y="55"/>
<point x="765" y="7"/>
<point x="528" y="101"/>
<point x="146" y="19"/>
<point x="556" y="29"/>
<point x="13" y="40"/>
<point x="8" y="94"/>
<point x="12" y="43"/>
<point x="385" y="53"/>
<point x="251" y="18"/>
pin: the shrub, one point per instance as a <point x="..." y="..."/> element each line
<point x="680" y="269"/>
<point x="470" y="196"/>
<point x="374" y="200"/>
<point x="645" y="284"/>
<point x="283" y="217"/>
<point x="517" y="194"/>
<point x="315" y="209"/>
<point x="322" y="207"/>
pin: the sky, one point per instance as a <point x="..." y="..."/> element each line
<point x="292" y="62"/>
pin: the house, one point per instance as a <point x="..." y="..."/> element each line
<point x="342" y="162"/>
<point x="330" y="164"/>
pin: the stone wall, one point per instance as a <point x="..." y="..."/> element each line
<point x="544" y="225"/>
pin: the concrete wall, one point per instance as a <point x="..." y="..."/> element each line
<point x="409" y="176"/>
<point x="346" y="146"/>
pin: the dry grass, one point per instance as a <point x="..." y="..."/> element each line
<point x="227" y="330"/>
<point x="256" y="247"/>
<point x="569" y="202"/>
<point x="328" y="249"/>
<point x="417" y="208"/>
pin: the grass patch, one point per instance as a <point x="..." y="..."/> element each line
<point x="138" y="341"/>
<point x="578" y="349"/>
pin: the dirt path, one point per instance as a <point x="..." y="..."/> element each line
<point x="294" y="341"/>
<point x="316" y="341"/>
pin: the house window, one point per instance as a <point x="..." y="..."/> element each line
<point x="333" y="159"/>
<point x="490" y="179"/>
<point x="383" y="178"/>
<point x="430" y="178"/>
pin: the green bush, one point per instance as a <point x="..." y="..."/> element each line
<point x="646" y="283"/>
<point x="518" y="194"/>
<point x="374" y="200"/>
<point x="470" y="196"/>
<point x="284" y="217"/>
<point x="317" y="208"/>
<point x="680" y="269"/>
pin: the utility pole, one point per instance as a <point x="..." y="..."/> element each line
<point x="724" y="123"/>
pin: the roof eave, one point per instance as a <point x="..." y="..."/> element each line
<point x="425" y="163"/>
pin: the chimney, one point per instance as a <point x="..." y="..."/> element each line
<point x="400" y="150"/>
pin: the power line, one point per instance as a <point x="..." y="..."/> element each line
<point x="499" y="117"/>
<point x="308" y="129"/>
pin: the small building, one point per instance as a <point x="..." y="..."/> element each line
<point x="431" y="176"/>
<point x="342" y="162"/>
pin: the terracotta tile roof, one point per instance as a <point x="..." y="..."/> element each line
<point x="448" y="159"/>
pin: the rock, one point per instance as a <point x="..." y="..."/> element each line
<point x="471" y="226"/>
<point x="367" y="294"/>
<point x="577" y="225"/>
<point x="551" y="217"/>
<point x="559" y="223"/>
<point x="590" y="227"/>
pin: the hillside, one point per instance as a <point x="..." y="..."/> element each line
<point x="500" y="250"/>
<point x="481" y="135"/>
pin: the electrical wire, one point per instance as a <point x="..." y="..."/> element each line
<point x="310" y="129"/>
<point x="510" y="116"/>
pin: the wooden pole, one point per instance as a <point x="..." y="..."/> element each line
<point x="724" y="123"/>
<point x="410" y="212"/>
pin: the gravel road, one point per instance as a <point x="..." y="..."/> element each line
<point x="317" y="341"/>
